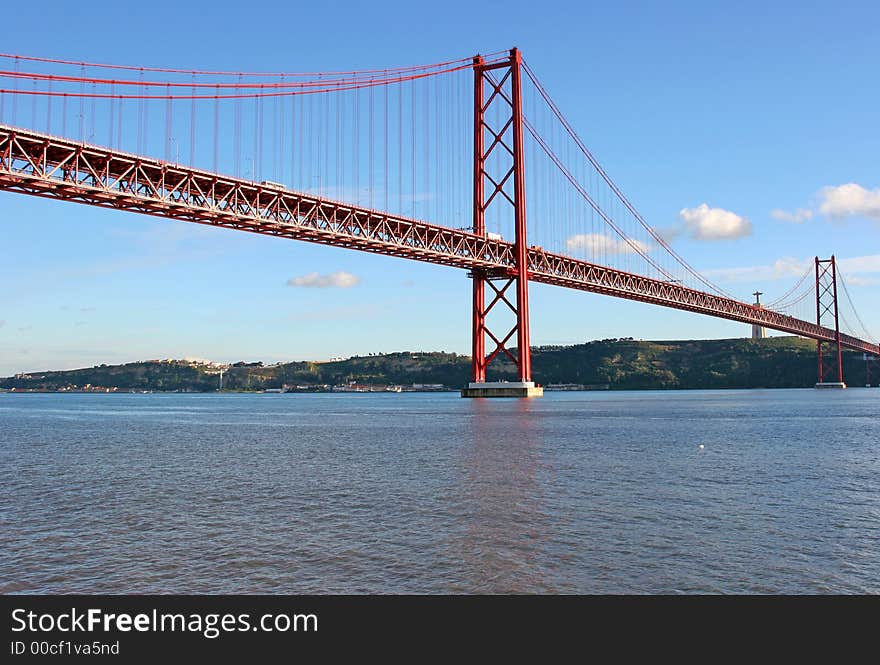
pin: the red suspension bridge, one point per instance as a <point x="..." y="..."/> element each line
<point x="431" y="163"/>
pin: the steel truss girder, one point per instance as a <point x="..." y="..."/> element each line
<point x="57" y="168"/>
<point x="45" y="166"/>
<point x="572" y="273"/>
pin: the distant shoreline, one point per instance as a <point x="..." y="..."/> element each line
<point x="4" y="391"/>
<point x="612" y="364"/>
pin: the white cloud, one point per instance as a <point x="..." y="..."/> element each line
<point x="705" y="223"/>
<point x="779" y="269"/>
<point x="860" y="264"/>
<point x="850" y="200"/>
<point x="339" y="280"/>
<point x="858" y="280"/>
<point x="798" y="216"/>
<point x="854" y="268"/>
<point x="669" y="234"/>
<point x="2" y="323"/>
<point x="599" y="243"/>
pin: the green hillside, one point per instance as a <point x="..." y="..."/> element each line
<point x="625" y="364"/>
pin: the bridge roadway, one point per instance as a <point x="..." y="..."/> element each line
<point x="57" y="168"/>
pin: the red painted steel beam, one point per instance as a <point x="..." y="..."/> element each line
<point x="821" y="364"/>
<point x="837" y="321"/>
<point x="478" y="299"/>
<point x="495" y="114"/>
<point x="40" y="165"/>
<point x="521" y="247"/>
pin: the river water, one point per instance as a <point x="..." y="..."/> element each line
<point x="612" y="492"/>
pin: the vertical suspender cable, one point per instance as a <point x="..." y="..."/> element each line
<point x="192" y="126"/>
<point x="120" y="113"/>
<point x="217" y="132"/>
<point x="399" y="148"/>
<point x="49" y="111"/>
<point x="412" y="182"/>
<point x="370" y="149"/>
<point x="168" y="122"/>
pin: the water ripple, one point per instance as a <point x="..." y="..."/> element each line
<point x="574" y="493"/>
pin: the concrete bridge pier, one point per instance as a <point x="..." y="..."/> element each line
<point x="502" y="389"/>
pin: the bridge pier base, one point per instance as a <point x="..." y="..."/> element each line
<point x="502" y="389"/>
<point x="834" y="385"/>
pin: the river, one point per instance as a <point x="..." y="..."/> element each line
<point x="595" y="492"/>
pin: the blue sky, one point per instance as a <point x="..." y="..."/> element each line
<point x="748" y="107"/>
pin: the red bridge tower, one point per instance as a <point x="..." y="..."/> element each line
<point x="826" y="309"/>
<point x="499" y="183"/>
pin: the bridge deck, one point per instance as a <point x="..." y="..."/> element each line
<point x="42" y="165"/>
